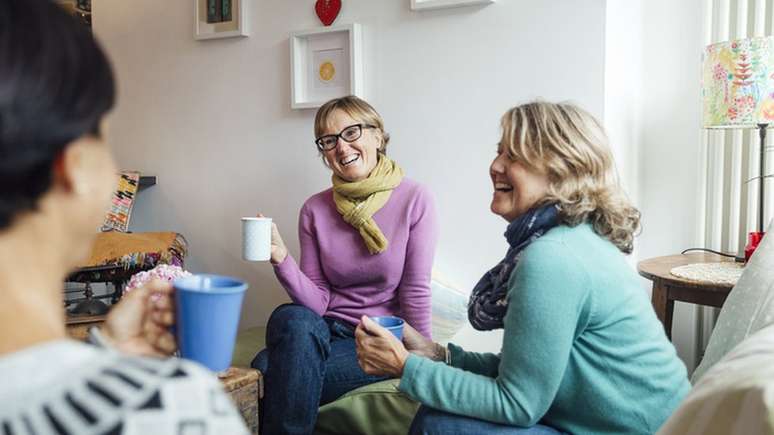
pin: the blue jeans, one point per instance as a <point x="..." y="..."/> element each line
<point x="309" y="361"/>
<point x="429" y="421"/>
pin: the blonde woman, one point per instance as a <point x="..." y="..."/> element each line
<point x="582" y="351"/>
<point x="367" y="246"/>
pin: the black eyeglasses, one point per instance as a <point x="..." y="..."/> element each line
<point x="349" y="135"/>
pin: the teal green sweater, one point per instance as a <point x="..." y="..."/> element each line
<point x="582" y="350"/>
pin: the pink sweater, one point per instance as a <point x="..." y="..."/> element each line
<point x="338" y="277"/>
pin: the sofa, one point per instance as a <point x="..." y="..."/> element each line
<point x="733" y="391"/>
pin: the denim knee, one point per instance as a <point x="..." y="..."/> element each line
<point x="429" y="421"/>
<point x="292" y="320"/>
<point x="261" y="361"/>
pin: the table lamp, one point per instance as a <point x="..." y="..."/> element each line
<point x="738" y="92"/>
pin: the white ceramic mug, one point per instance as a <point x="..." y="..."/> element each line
<point x="256" y="238"/>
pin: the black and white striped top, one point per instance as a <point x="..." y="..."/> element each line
<point x="67" y="387"/>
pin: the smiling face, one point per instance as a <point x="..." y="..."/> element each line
<point x="517" y="188"/>
<point x="352" y="161"/>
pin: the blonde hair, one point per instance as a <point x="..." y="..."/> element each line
<point x="570" y="146"/>
<point x="355" y="107"/>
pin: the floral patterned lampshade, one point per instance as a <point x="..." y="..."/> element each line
<point x="738" y="83"/>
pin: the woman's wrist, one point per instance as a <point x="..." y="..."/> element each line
<point x="402" y="358"/>
<point x="432" y="351"/>
<point x="436" y="352"/>
<point x="280" y="257"/>
<point x="440" y="353"/>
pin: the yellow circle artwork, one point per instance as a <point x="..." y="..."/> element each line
<point x="327" y="71"/>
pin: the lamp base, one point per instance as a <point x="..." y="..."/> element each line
<point x="753" y="240"/>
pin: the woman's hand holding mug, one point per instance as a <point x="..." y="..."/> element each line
<point x="278" y="249"/>
<point x="416" y="343"/>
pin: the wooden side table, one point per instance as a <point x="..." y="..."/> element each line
<point x="668" y="288"/>
<point x="78" y="326"/>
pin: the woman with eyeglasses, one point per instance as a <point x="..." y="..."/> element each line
<point x="367" y="246"/>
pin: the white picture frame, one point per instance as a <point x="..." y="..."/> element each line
<point x="237" y="26"/>
<point x="421" y="5"/>
<point x="325" y="63"/>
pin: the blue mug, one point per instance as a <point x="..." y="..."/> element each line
<point x="392" y="324"/>
<point x="208" y="309"/>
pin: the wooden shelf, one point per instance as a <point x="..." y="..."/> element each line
<point x="77" y="327"/>
<point x="147" y="181"/>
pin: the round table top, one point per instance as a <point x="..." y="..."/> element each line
<point x="659" y="268"/>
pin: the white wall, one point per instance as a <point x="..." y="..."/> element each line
<point x="670" y="140"/>
<point x="212" y="119"/>
<point x="623" y="89"/>
<point x="652" y="112"/>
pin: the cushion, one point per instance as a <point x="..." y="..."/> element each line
<point x="735" y="396"/>
<point x="375" y="409"/>
<point x="748" y="308"/>
<point x="449" y="309"/>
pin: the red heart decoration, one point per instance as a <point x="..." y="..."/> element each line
<point x="327" y="10"/>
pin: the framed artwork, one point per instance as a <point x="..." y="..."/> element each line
<point x="325" y="63"/>
<point x="220" y="18"/>
<point x="420" y="5"/>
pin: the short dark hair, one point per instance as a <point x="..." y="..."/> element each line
<point x="56" y="85"/>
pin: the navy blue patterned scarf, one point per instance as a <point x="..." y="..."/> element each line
<point x="489" y="299"/>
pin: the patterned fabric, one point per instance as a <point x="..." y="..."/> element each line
<point x="162" y="272"/>
<point x="144" y="250"/>
<point x="67" y="387"/>
<point x="489" y="299"/>
<point x="748" y="308"/>
<point x="737" y="85"/>
<point x="123" y="200"/>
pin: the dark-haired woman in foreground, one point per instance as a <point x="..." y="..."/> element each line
<point x="56" y="176"/>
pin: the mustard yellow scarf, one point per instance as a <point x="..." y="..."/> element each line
<point x="358" y="201"/>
